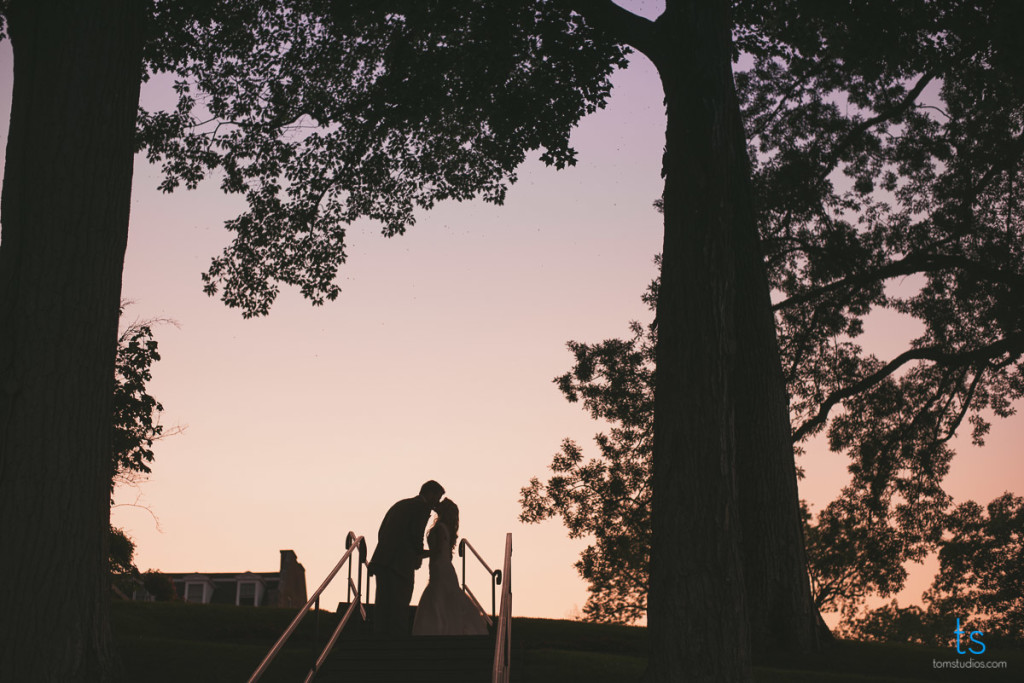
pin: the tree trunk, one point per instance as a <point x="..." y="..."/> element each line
<point x="66" y="198"/>
<point x="696" y="613"/>
<point x="781" y="613"/>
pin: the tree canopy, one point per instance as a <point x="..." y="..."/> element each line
<point x="979" y="579"/>
<point x="888" y="150"/>
<point x="981" y="567"/>
<point x="322" y="113"/>
<point x="886" y="144"/>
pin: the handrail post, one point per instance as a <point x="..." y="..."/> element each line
<point x="503" y="638"/>
<point x="364" y="596"/>
<point x="316" y="631"/>
<point x="359" y="577"/>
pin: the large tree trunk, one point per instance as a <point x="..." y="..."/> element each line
<point x="66" y="197"/>
<point x="781" y="614"/>
<point x="696" y="613"/>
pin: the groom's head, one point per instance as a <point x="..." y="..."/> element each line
<point x="432" y="492"/>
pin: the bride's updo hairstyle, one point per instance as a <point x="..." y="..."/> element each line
<point x="448" y="514"/>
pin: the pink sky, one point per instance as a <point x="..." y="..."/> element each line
<point x="435" y="362"/>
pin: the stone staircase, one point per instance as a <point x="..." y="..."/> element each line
<point x="420" y="659"/>
<point x="359" y="656"/>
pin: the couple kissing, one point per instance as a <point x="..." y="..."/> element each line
<point x="444" y="607"/>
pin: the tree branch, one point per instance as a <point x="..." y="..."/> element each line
<point x="1012" y="152"/>
<point x="964" y="407"/>
<point x="903" y="105"/>
<point x="619" y="23"/>
<point x="915" y="263"/>
<point x="1013" y="343"/>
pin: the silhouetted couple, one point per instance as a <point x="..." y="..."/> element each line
<point x="444" y="608"/>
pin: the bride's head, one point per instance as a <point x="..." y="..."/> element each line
<point x="448" y="514"/>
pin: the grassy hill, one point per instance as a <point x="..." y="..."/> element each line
<point x="174" y="642"/>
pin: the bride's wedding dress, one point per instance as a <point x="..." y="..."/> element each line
<point x="445" y="609"/>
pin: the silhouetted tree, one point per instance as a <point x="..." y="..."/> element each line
<point x="607" y="498"/>
<point x="818" y="105"/>
<point x="122" y="553"/>
<point x="160" y="586"/>
<point x="121" y="562"/>
<point x="981" y="568"/>
<point x="136" y="413"/>
<point x="891" y="623"/>
<point x="888" y="149"/>
<point x="65" y="205"/>
<point x="852" y="553"/>
<point x="136" y="426"/>
<point x="980" y="574"/>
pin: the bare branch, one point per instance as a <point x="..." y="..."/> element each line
<point x="1013" y="344"/>
<point x="141" y="506"/>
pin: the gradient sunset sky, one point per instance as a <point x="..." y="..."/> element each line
<point x="436" y="362"/>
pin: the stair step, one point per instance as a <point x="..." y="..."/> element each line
<point x="423" y="659"/>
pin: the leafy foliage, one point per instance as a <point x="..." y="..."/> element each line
<point x="887" y="142"/>
<point x="981" y="571"/>
<point x="136" y="412"/>
<point x="881" y="154"/>
<point x="135" y="427"/>
<point x="322" y="113"/>
<point x="854" y="551"/>
<point x="981" y="566"/>
<point x="887" y="148"/>
<point x="856" y="547"/>
<point x="121" y="561"/>
<point x="607" y="498"/>
<point x="159" y="585"/>
<point x="891" y="623"/>
<point x="122" y="553"/>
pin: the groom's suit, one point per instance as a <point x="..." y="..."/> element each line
<point x="398" y="555"/>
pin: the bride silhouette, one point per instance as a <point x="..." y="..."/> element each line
<point x="445" y="609"/>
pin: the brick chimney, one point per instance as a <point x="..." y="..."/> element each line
<point x="292" y="591"/>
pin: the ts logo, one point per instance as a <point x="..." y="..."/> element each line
<point x="960" y="632"/>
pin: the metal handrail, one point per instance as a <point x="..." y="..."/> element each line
<point x="337" y="630"/>
<point x="479" y="607"/>
<point x="352" y="543"/>
<point x="495" y="573"/>
<point x="503" y="640"/>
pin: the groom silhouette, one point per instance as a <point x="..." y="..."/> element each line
<point x="398" y="555"/>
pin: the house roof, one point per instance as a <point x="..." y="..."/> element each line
<point x="222" y="576"/>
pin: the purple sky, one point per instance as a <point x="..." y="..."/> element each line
<point x="435" y="362"/>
